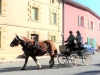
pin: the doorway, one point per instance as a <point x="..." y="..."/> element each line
<point x="35" y="37"/>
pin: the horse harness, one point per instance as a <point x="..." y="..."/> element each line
<point x="32" y="47"/>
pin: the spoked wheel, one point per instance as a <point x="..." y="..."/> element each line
<point x="62" y="59"/>
<point x="74" y="59"/>
<point x="87" y="59"/>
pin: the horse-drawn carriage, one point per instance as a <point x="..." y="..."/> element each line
<point x="72" y="56"/>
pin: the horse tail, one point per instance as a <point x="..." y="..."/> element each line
<point x="55" y="53"/>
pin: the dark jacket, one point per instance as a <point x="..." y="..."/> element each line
<point x="70" y="39"/>
<point x="78" y="39"/>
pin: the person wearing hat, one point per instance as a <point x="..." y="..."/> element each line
<point x="78" y="39"/>
<point x="70" y="40"/>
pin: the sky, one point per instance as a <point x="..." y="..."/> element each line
<point x="94" y="5"/>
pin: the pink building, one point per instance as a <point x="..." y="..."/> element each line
<point x="79" y="17"/>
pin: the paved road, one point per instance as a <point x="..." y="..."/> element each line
<point x="14" y="68"/>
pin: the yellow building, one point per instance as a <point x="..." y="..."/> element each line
<point x="26" y="18"/>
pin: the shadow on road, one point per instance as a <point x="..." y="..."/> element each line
<point x="10" y="69"/>
<point x="57" y="66"/>
<point x="89" y="73"/>
<point x="97" y="65"/>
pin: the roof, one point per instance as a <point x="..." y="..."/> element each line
<point x="75" y="4"/>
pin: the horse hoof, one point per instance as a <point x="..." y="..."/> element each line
<point x="39" y="68"/>
<point x="51" y="66"/>
<point x="22" y="68"/>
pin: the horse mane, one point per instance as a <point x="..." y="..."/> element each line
<point x="28" y="40"/>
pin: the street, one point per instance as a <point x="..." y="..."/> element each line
<point x="31" y="69"/>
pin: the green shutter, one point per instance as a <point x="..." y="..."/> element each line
<point x="88" y="40"/>
<point x="94" y="43"/>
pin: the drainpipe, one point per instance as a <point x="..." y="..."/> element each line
<point x="62" y="22"/>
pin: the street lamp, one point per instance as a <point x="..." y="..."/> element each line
<point x="62" y="22"/>
<point x="62" y="38"/>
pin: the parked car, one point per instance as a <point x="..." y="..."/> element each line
<point x="90" y="48"/>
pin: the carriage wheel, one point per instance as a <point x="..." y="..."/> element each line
<point x="74" y="59"/>
<point x="87" y="59"/>
<point x="62" y="59"/>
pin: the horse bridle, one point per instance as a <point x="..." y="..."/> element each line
<point x="19" y="40"/>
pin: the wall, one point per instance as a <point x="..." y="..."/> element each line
<point x="71" y="23"/>
<point x="17" y="21"/>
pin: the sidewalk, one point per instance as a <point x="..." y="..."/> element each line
<point x="22" y="59"/>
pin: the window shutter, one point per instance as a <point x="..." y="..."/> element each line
<point x="84" y="21"/>
<point x="79" y="20"/>
<point x="98" y="26"/>
<point x="93" y="25"/>
<point x="89" y="24"/>
<point x="94" y="43"/>
<point x="88" y="40"/>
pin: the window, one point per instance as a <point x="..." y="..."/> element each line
<point x="54" y="18"/>
<point x="34" y="13"/>
<point x="91" y="25"/>
<point x="53" y="38"/>
<point x="98" y="26"/>
<point x="81" y="21"/>
<point x="92" y="42"/>
<point x="0" y="6"/>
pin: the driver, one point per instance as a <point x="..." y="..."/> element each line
<point x="70" y="40"/>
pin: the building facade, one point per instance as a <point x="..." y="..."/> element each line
<point x="35" y="19"/>
<point x="79" y="17"/>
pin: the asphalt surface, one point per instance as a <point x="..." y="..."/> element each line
<point x="13" y="68"/>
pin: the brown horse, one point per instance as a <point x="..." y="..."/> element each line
<point x="46" y="46"/>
